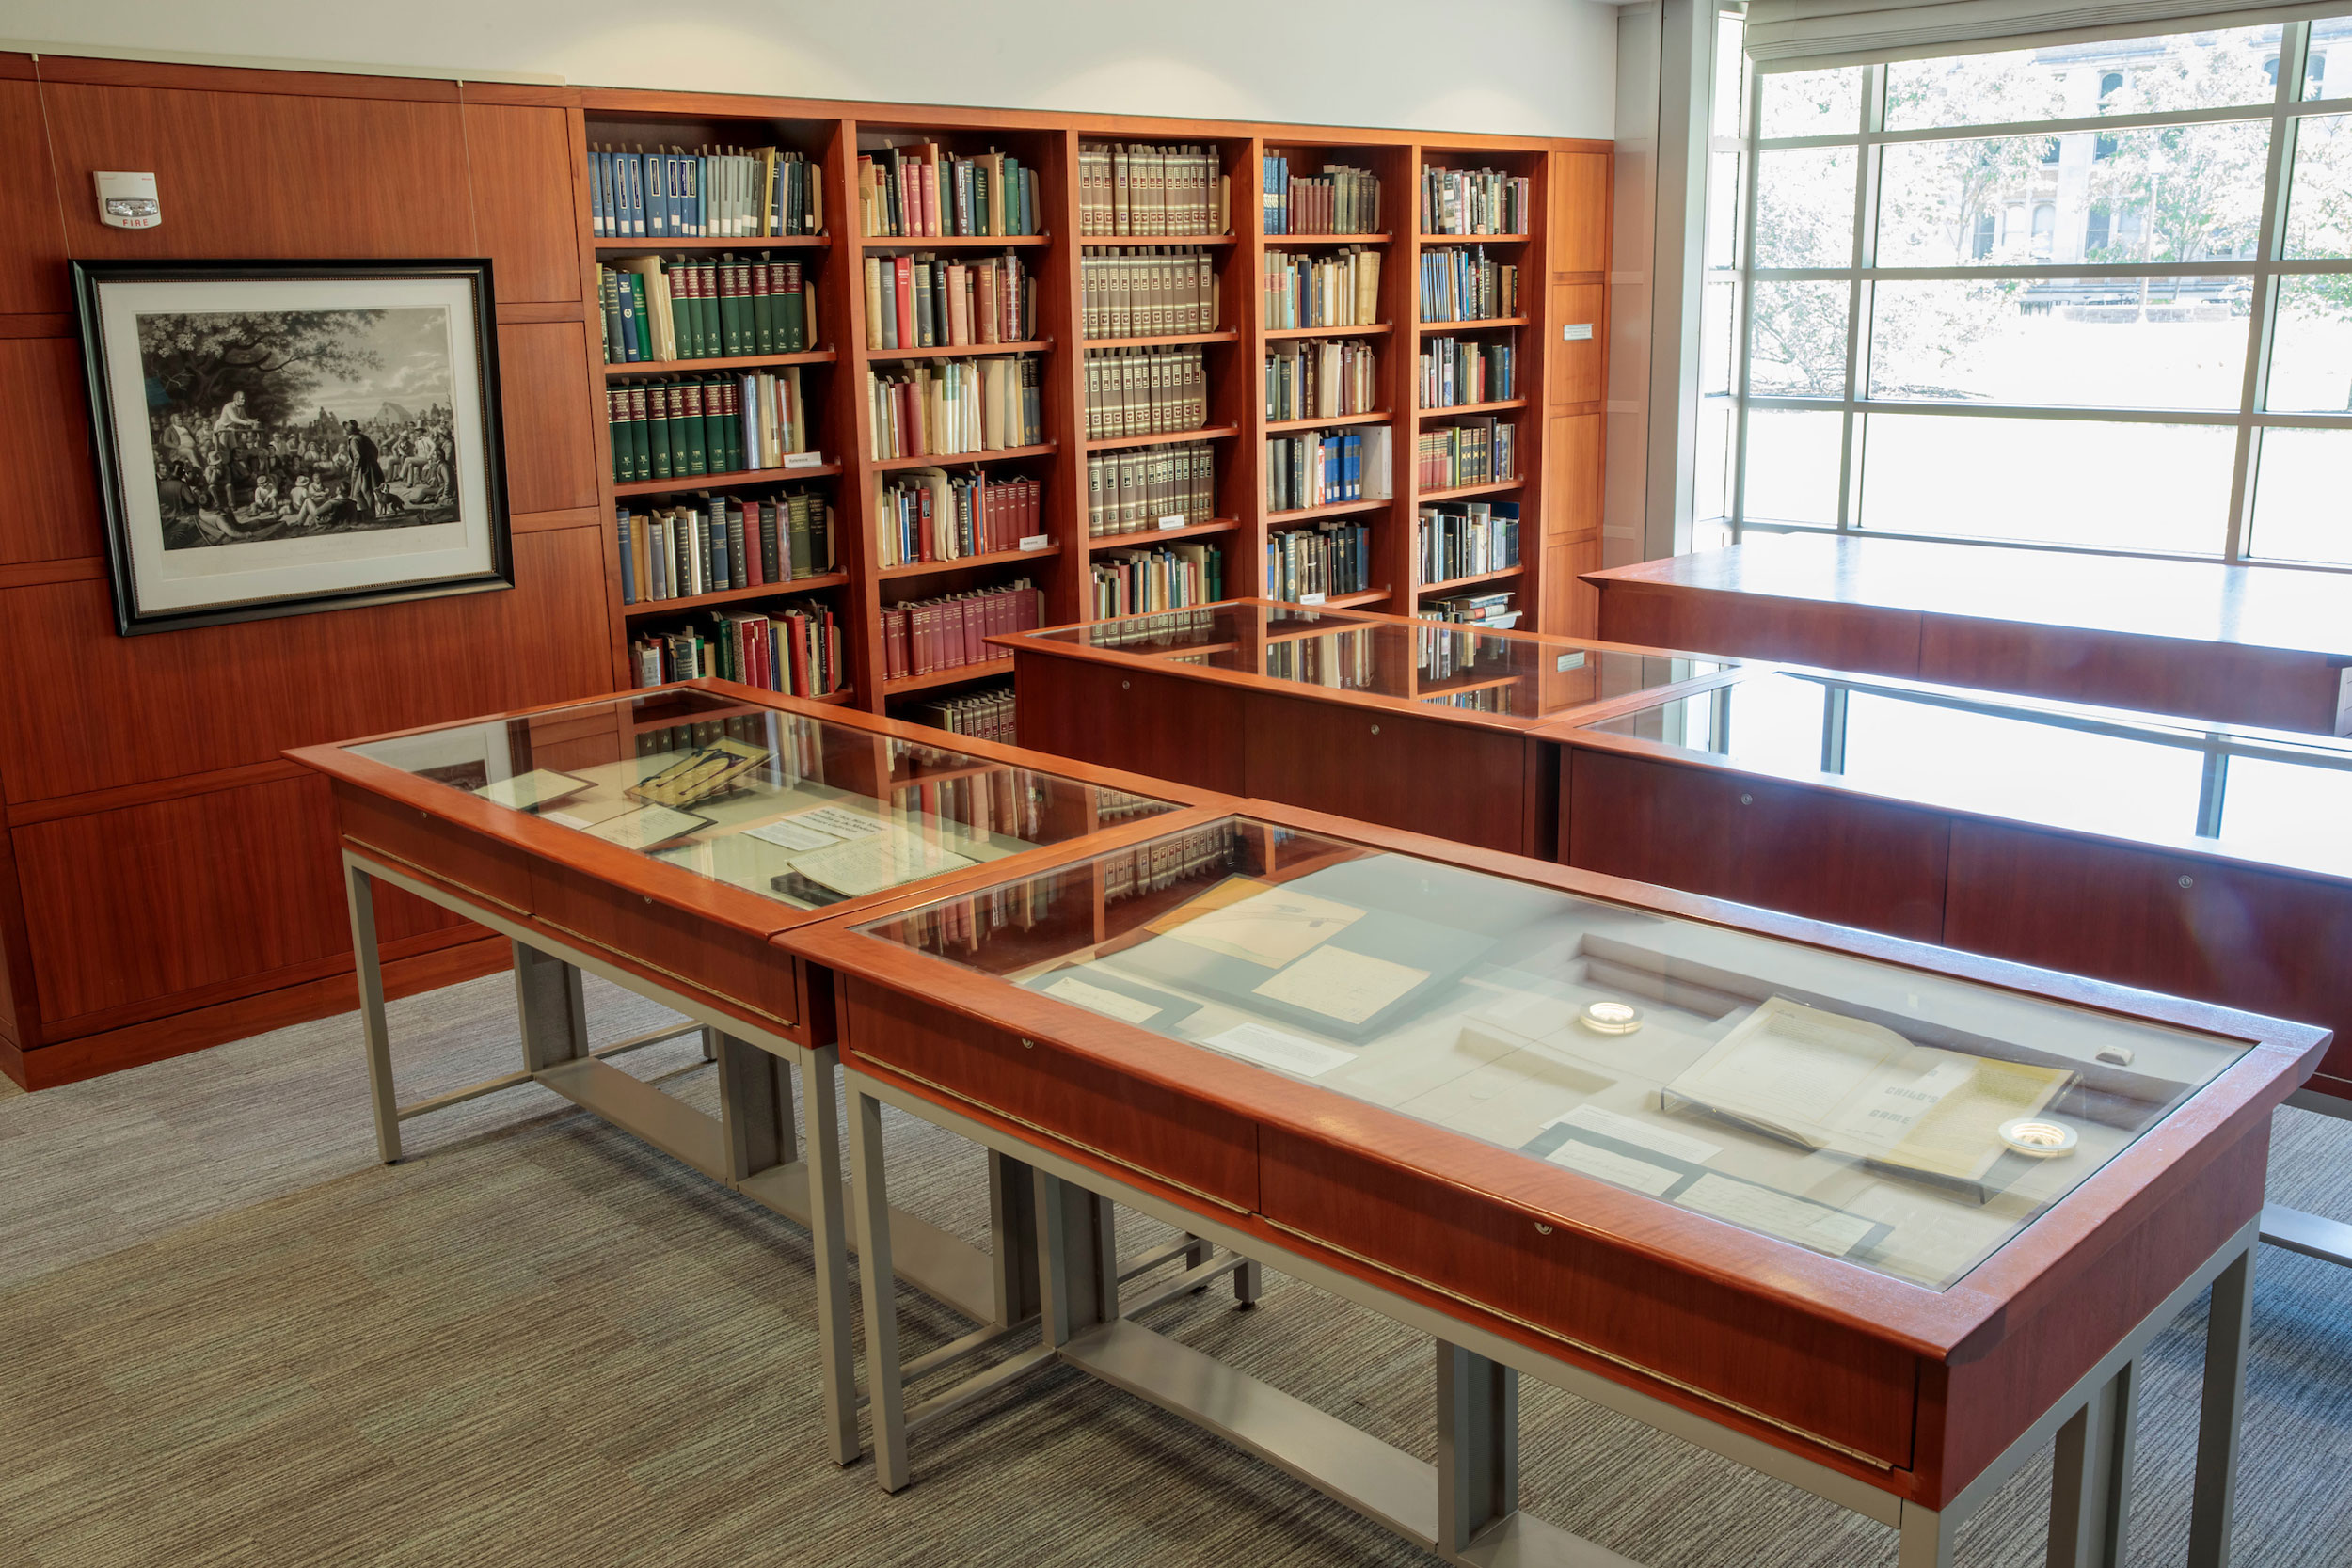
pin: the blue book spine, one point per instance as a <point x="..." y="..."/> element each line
<point x="600" y="216"/>
<point x="655" y="208"/>
<point x="628" y="562"/>
<point x="696" y="171"/>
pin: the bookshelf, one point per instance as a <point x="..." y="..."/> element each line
<point x="1232" y="353"/>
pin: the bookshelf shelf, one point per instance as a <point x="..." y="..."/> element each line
<point x="846" y="695"/>
<point x="1495" y="407"/>
<point x="1452" y="689"/>
<point x="1275" y="427"/>
<point x="729" y="362"/>
<point x="646" y="609"/>
<point x="1275" y="334"/>
<point x="1476" y="239"/>
<point x="960" y="351"/>
<point x="1164" y="438"/>
<point x="878" y="243"/>
<point x="1175" y="340"/>
<point x="1503" y="575"/>
<point x="719" y="481"/>
<point x="958" y="459"/>
<point x="650" y="244"/>
<point x="1461" y="491"/>
<point x="1483" y="323"/>
<point x="1106" y="242"/>
<point x="1315" y="513"/>
<point x="1287" y="241"/>
<point x="1342" y="601"/>
<point x="1152" y="536"/>
<point x="991" y="557"/>
<point x="954" y="675"/>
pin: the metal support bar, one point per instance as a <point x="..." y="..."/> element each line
<point x="1478" y="1446"/>
<point x="2090" y="1479"/>
<point x="458" y="1096"/>
<point x="981" y="1385"/>
<point x="368" y="968"/>
<point x="885" y="1394"/>
<point x="2228" y="1320"/>
<point x="639" y="1042"/>
<point x="2312" y="1235"/>
<point x="1183" y="1285"/>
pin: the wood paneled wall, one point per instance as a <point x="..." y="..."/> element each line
<point x="170" y="880"/>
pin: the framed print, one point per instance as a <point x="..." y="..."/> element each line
<point x="280" y="437"/>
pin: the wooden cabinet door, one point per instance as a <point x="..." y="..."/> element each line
<point x="1811" y="852"/>
<point x="1121" y="716"/>
<point x="1427" y="776"/>
<point x="2262" y="941"/>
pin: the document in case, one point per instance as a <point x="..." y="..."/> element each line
<point x="1791" y="1219"/>
<point x="1274" y="1048"/>
<point x="526" y="791"/>
<point x="718" y="768"/>
<point x="1342" y="984"/>
<point x="1270" y="927"/>
<point x="1093" y="987"/>
<point x="838" y="821"/>
<point x="1825" y="1081"/>
<point x="645" y="826"/>
<point x="1620" y="1169"/>
<point x="872" y="863"/>
<point x="792" y="833"/>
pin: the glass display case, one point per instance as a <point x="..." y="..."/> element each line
<point x="1507" y="676"/>
<point x="797" y="807"/>
<point x="2255" y="795"/>
<point x="1905" y="1121"/>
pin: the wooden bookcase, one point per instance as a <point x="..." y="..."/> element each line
<point x="1558" y="529"/>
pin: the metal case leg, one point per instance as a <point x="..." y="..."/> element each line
<point x="2215" y="1498"/>
<point x="2090" y="1483"/>
<point x="368" y="968"/>
<point x="829" y="1240"/>
<point x="553" y="1011"/>
<point x="1478" y="1446"/>
<point x="884" y="1381"/>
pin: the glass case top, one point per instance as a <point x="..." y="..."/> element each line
<point x="1903" y="1121"/>
<point x="1443" y="663"/>
<point x="800" y="809"/>
<point x="2262" y="795"/>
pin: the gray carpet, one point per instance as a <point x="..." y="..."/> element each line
<point x="234" y="1339"/>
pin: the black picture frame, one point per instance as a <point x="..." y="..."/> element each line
<point x="135" y="525"/>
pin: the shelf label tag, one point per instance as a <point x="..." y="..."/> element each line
<point x="1173" y="522"/>
<point x="1570" y="661"/>
<point x="804" y="459"/>
<point x="1576" y="332"/>
<point x="1035" y="542"/>
<point x="1310" y="598"/>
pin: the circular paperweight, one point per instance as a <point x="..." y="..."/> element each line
<point x="2042" y="1140"/>
<point x="1611" y="1018"/>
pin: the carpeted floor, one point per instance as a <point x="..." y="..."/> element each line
<point x="232" y="1337"/>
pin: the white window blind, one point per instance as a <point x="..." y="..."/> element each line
<point x="1807" y="34"/>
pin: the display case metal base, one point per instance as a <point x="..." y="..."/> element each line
<point x="1465" y="1507"/>
<point x="2296" y="1230"/>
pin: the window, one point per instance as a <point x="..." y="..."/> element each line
<point x="2052" y="347"/>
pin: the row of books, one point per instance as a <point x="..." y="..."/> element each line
<point x="1145" y="293"/>
<point x="1339" y="290"/>
<point x="1489" y="612"/>
<point x="921" y="636"/>
<point x="1442" y="654"/>
<point x="720" y="541"/>
<point x="921" y="301"/>
<point x="1326" y="468"/>
<point x="1150" y="191"/>
<point x="1203" y="854"/>
<point x="956" y="406"/>
<point x="741" y="194"/>
<point x="797" y="650"/>
<point x="1145" y="391"/>
<point x="1344" y="660"/>
<point x="1316" y="563"/>
<point x="694" y="427"/>
<point x="1484" y="698"/>
<point x="1459" y="370"/>
<point x="1173" y="577"/>
<point x="1151" y="487"/>
<point x="929" y="514"/>
<point x="1475" y="452"/>
<point x="1319" y="379"/>
<point x="715" y="307"/>
<point x="1461" y="539"/>
<point x="984" y="714"/>
<point x="1340" y="201"/>
<point x="1474" y="201"/>
<point x="924" y="191"/>
<point x="1463" y="285"/>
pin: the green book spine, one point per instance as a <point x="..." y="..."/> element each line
<point x="730" y="412"/>
<point x="616" y="430"/>
<point x="696" y="455"/>
<point x="791" y="310"/>
<point x="803" y="557"/>
<point x="658" y="422"/>
<point x="608" y="296"/>
<point x="763" y="307"/>
<point x="688" y="311"/>
<point x="640" y="320"/>
<point x="640" y="444"/>
<point x="730" y="307"/>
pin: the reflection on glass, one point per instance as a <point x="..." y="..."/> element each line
<point x="1847" y="1107"/>
<point x="2074" y="344"/>
<point x="1723" y="210"/>
<point x="2327" y="73"/>
<point x="1797" y="343"/>
<point x="2319" y="203"/>
<point x="2071" y="481"/>
<point x="2124" y="76"/>
<point x="1718" y="309"/>
<point x="2310" y="352"/>
<point x="2033" y="200"/>
<point x="1712" y="495"/>
<point x="802" y="809"/>
<point x="2303" y="497"/>
<point x="1191" y="630"/>
<point x="1792" y="467"/>
<point x="1804" y="207"/>
<point x="1731" y="75"/>
<point x="2287" y="812"/>
<point x="1811" y="102"/>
